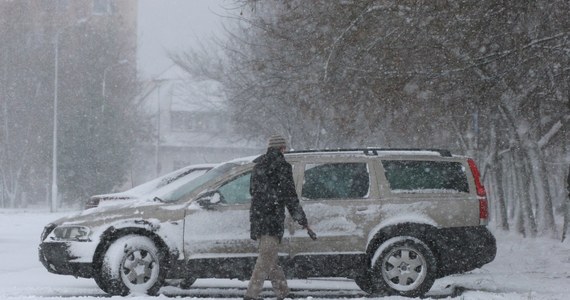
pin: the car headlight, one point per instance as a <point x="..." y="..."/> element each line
<point x="71" y="233"/>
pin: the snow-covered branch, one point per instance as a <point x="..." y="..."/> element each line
<point x="343" y="33"/>
<point x="545" y="139"/>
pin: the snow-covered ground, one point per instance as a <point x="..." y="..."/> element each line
<point x="536" y="269"/>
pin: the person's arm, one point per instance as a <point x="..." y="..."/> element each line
<point x="289" y="194"/>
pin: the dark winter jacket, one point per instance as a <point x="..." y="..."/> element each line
<point x="272" y="189"/>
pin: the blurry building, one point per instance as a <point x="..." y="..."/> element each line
<point x="46" y="49"/>
<point x="188" y="119"/>
<point x="192" y="126"/>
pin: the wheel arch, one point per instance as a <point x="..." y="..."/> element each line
<point x="113" y="233"/>
<point x="419" y="230"/>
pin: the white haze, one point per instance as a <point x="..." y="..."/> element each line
<point x="172" y="26"/>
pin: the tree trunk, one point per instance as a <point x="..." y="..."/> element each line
<point x="545" y="210"/>
<point x="511" y="177"/>
<point x="526" y="213"/>
<point x="502" y="220"/>
<point x="566" y="207"/>
<point x="496" y="179"/>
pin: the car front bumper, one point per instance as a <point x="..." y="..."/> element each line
<point x="58" y="258"/>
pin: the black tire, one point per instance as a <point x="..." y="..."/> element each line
<point x="403" y="266"/>
<point x="366" y="284"/>
<point x="132" y="264"/>
<point x="101" y="283"/>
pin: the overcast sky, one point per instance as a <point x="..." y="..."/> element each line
<point x="173" y="25"/>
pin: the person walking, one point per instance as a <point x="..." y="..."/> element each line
<point x="272" y="189"/>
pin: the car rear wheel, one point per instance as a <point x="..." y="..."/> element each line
<point x="132" y="264"/>
<point x="403" y="266"/>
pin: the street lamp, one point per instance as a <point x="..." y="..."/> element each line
<point x="54" y="191"/>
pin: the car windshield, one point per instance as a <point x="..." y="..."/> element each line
<point x="179" y="191"/>
<point x="153" y="187"/>
<point x="177" y="183"/>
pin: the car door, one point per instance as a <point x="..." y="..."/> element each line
<point x="216" y="230"/>
<point x="339" y="201"/>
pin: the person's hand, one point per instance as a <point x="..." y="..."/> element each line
<point x="311" y="233"/>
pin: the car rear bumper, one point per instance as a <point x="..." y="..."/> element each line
<point x="464" y="249"/>
<point x="57" y="258"/>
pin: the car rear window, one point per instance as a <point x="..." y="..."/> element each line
<point x="413" y="176"/>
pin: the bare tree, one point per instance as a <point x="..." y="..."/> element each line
<point x="484" y="78"/>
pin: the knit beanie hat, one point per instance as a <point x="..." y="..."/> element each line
<point x="276" y="141"/>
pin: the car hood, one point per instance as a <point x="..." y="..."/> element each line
<point x="114" y="196"/>
<point x="123" y="210"/>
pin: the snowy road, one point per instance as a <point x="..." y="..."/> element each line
<point x="537" y="269"/>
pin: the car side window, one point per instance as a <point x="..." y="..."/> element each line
<point x="336" y="181"/>
<point x="236" y="191"/>
<point x="415" y="176"/>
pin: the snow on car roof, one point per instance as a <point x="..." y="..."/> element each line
<point x="368" y="152"/>
<point x="242" y="160"/>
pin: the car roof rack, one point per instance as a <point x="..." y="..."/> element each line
<point x="374" y="151"/>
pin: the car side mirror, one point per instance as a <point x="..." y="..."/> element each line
<point x="210" y="200"/>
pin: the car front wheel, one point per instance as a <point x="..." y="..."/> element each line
<point x="132" y="264"/>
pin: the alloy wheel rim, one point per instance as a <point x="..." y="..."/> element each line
<point x="139" y="267"/>
<point x="404" y="269"/>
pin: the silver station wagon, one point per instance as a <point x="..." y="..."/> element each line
<point x="394" y="220"/>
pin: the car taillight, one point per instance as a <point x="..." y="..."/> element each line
<point x="483" y="211"/>
<point x="481" y="193"/>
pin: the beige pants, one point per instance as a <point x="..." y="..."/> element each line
<point x="267" y="267"/>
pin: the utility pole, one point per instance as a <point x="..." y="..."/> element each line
<point x="54" y="187"/>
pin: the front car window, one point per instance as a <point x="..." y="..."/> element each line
<point x="412" y="176"/>
<point x="236" y="191"/>
<point x="179" y="192"/>
<point x="336" y="181"/>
